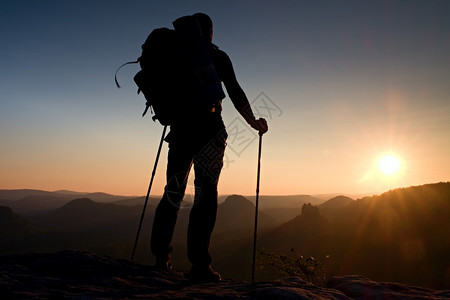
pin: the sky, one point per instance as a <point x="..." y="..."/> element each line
<point x="341" y="84"/>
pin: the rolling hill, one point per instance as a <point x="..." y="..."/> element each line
<point x="11" y="224"/>
<point x="336" y="202"/>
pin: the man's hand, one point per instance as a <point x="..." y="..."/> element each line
<point x="260" y="125"/>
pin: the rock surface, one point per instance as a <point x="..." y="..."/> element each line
<point x="74" y="274"/>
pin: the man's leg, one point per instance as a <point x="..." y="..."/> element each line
<point x="179" y="163"/>
<point x="201" y="222"/>
<point x="207" y="165"/>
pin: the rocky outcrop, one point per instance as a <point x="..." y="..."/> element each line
<point x="360" y="287"/>
<point x="84" y="275"/>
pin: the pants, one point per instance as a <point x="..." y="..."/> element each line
<point x="204" y="148"/>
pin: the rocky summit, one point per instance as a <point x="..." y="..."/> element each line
<point x="72" y="274"/>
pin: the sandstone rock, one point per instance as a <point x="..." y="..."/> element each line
<point x="74" y="274"/>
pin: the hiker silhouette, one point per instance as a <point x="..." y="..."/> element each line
<point x="199" y="141"/>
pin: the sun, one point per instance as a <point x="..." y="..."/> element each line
<point x="389" y="164"/>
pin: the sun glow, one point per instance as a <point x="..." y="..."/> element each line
<point x="389" y="164"/>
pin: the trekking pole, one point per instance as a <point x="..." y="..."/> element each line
<point x="148" y="191"/>
<point x="256" y="206"/>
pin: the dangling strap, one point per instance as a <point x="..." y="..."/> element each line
<point x="147" y="106"/>
<point x="115" y="75"/>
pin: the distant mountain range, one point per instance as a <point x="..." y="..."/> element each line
<point x="13" y="195"/>
<point x="401" y="235"/>
<point x="103" y="221"/>
<point x="29" y="202"/>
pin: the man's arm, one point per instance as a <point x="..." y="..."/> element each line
<point x="226" y="72"/>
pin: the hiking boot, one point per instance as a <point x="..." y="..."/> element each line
<point x="163" y="263"/>
<point x="203" y="274"/>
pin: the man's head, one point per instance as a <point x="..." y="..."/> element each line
<point x="206" y="26"/>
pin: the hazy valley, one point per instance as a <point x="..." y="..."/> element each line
<point x="401" y="235"/>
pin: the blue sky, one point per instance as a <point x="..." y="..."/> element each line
<point x="350" y="81"/>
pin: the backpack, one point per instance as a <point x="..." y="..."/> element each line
<point x="177" y="76"/>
